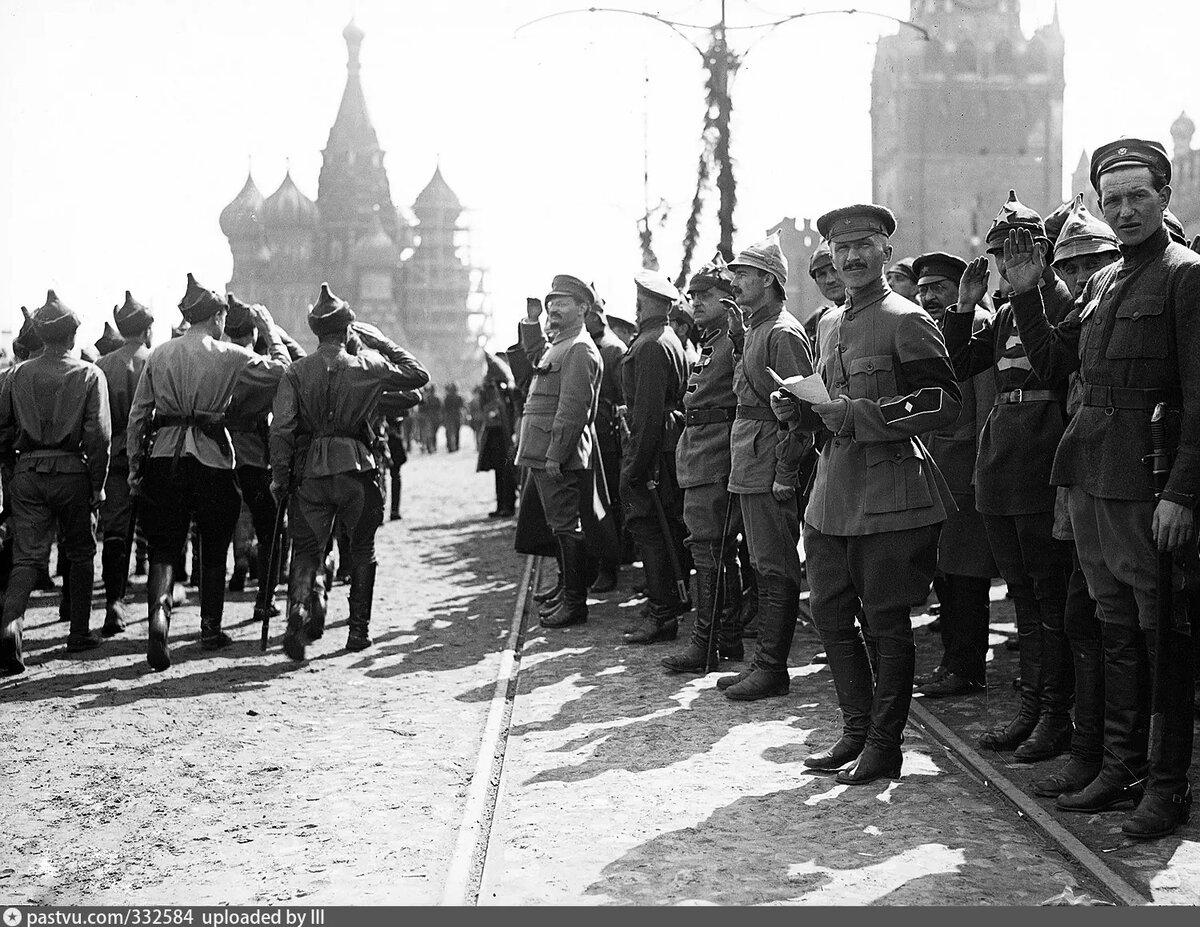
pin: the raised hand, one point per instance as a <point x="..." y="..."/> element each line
<point x="973" y="285"/>
<point x="533" y="308"/>
<point x="1024" y="261"/>
<point x="737" y="323"/>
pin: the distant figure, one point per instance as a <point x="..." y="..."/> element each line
<point x="452" y="410"/>
<point x="475" y="413"/>
<point x="432" y="418"/>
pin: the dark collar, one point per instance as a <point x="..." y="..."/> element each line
<point x="1153" y="246"/>
<point x="874" y="292"/>
<point x="768" y="313"/>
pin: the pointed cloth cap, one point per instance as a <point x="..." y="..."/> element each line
<point x="330" y="313"/>
<point x="1056" y="220"/>
<point x="199" y="302"/>
<point x="714" y="275"/>
<point x="1014" y="215"/>
<point x="851" y="223"/>
<point x="110" y="341"/>
<point x="1129" y="152"/>
<point x="822" y="257"/>
<point x="1174" y="227"/>
<point x="935" y="264"/>
<point x="1083" y="233"/>
<point x="27" y="340"/>
<point x="55" y="320"/>
<point x="656" y="284"/>
<point x="238" y="321"/>
<point x="566" y="285"/>
<point x="767" y="255"/>
<point x="132" y="317"/>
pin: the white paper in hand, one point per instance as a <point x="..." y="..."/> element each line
<point x="809" y="389"/>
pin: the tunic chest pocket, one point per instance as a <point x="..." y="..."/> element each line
<point x="872" y="377"/>
<point x="549" y="378"/>
<point x="895" y="479"/>
<point x="1139" y="329"/>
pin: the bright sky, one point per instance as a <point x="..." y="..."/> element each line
<point x="128" y="125"/>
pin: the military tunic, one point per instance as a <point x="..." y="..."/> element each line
<point x="608" y="432"/>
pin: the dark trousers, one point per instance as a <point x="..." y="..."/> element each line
<point x="175" y="494"/>
<point x="880" y="576"/>
<point x="610" y="459"/>
<point x="661" y="550"/>
<point x="453" y="426"/>
<point x="255" y="484"/>
<point x="1034" y="564"/>
<point x="352" y="500"/>
<point x="1082" y="625"/>
<point x="966" y="605"/>
<point x="115" y="514"/>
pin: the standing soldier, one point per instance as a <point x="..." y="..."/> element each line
<point x="122" y="369"/>
<point x="452" y="410"/>
<point x="608" y="431"/>
<point x="965" y="565"/>
<point x="825" y="276"/>
<point x="431" y="418"/>
<point x="557" y="430"/>
<point x="498" y="414"/>
<point x="711" y="513"/>
<point x="322" y="434"/>
<point x="765" y="460"/>
<point x="902" y="278"/>
<point x="652" y="380"/>
<point x="878" y="501"/>
<point x="1132" y="336"/>
<point x="54" y="445"/>
<point x="181" y="459"/>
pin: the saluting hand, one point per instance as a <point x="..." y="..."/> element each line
<point x="737" y="322"/>
<point x="1174" y="525"/>
<point x="261" y="317"/>
<point x="1024" y="260"/>
<point x="973" y="285"/>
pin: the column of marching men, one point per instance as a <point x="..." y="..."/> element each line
<point x="1046" y="432"/>
<point x="172" y="440"/>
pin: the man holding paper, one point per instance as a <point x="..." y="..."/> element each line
<point x="878" y="501"/>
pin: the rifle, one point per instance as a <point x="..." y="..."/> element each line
<point x="1164" y="599"/>
<point x="718" y="593"/>
<point x="668" y="539"/>
<point x="266" y="584"/>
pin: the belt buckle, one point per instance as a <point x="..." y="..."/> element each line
<point x="1017" y="395"/>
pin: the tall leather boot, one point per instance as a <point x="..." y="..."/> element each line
<point x="362" y="597"/>
<point x="1088" y="739"/>
<point x="318" y="607"/>
<point x="852" y="680"/>
<point x="572" y="606"/>
<point x="660" y="623"/>
<point x="1052" y="734"/>
<point x="212" y="606"/>
<point x="779" y="608"/>
<point x="1017" y="731"/>
<point x="158" y="599"/>
<point x="64" y="600"/>
<point x="114" y="570"/>
<point x="729" y="630"/>
<point x="700" y="655"/>
<point x="21" y="583"/>
<point x="300" y="587"/>
<point x="554" y="593"/>
<point x="79" y="577"/>
<point x="749" y="613"/>
<point x="1167" y="803"/>
<point x="881" y="757"/>
<point x="1126" y="725"/>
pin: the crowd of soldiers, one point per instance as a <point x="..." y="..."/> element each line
<point x="173" y="440"/>
<point x="920" y="433"/>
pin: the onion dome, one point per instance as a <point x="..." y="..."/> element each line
<point x="1183" y="127"/>
<point x="437" y="196"/>
<point x="375" y="249"/>
<point x="240" y="219"/>
<point x="287" y="206"/>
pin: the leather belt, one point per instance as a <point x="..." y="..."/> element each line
<point x="1127" y="397"/>
<point x="756" y="413"/>
<point x="1026" y="395"/>
<point x="708" y="416"/>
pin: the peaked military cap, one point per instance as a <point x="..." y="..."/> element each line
<point x="55" y="321"/>
<point x="238" y="321"/>
<point x="1014" y="215"/>
<point x="132" y="317"/>
<point x="821" y="257"/>
<point x="110" y="340"/>
<point x="566" y="285"/>
<point x="937" y="264"/>
<point x="904" y="267"/>
<point x="851" y="223"/>
<point x="1174" y="227"/>
<point x="1129" y="152"/>
<point x="199" y="302"/>
<point x="657" y="285"/>
<point x="330" y="313"/>
<point x="715" y="275"/>
<point x="1083" y="233"/>
<point x="768" y="256"/>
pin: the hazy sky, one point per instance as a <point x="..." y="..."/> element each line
<point x="129" y="124"/>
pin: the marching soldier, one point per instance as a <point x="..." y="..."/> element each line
<point x="556" y="435"/>
<point x="765" y="459"/>
<point x="122" y="369"/>
<point x="54" y="445"/>
<point x="608" y="431"/>
<point x="321" y="442"/>
<point x="878" y="501"/>
<point x="652" y="379"/>
<point x="702" y="461"/>
<point x="1133" y="338"/>
<point x="181" y="459"/>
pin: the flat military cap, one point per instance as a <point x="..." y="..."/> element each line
<point x="656" y="284"/>
<point x="199" y="302"/>
<point x="1174" y="227"/>
<point x="110" y="340"/>
<point x="330" y="313"/>
<point x="938" y="264"/>
<point x="131" y="316"/>
<point x="54" y="321"/>
<point x="1083" y="233"/>
<point x="714" y="275"/>
<point x="768" y="256"/>
<point x="566" y="285"/>
<point x="851" y="223"/>
<point x="238" y="321"/>
<point x="821" y="257"/>
<point x="1129" y="152"/>
<point x="905" y="268"/>
<point x="1014" y="215"/>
